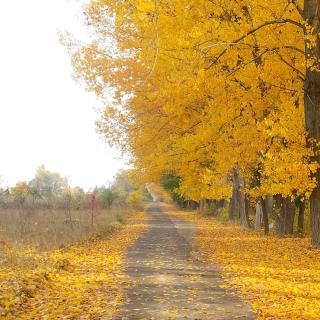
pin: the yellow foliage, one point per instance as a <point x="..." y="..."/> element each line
<point x="201" y="87"/>
<point x="135" y="198"/>
<point x="20" y="191"/>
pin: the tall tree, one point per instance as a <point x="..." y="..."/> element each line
<point x="203" y="87"/>
<point x="312" y="103"/>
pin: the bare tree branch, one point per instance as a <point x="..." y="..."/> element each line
<point x="300" y="74"/>
<point x="254" y="30"/>
<point x="252" y="46"/>
<point x="299" y="9"/>
<point x="281" y="87"/>
<point x="241" y="66"/>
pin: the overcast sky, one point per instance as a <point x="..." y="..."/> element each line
<point x="45" y="117"/>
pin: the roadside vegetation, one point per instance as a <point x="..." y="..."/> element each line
<point x="47" y="213"/>
<point x="62" y="246"/>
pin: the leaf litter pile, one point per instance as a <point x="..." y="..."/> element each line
<point x="83" y="281"/>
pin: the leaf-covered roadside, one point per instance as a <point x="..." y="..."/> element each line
<point x="83" y="281"/>
<point x="279" y="277"/>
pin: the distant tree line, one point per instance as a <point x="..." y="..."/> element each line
<point x="50" y="190"/>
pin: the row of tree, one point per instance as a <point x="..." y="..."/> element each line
<point x="50" y="190"/>
<point x="222" y="94"/>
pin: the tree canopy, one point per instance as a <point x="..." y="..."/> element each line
<point x="209" y="89"/>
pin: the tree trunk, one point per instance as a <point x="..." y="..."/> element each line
<point x="213" y="204"/>
<point x="220" y="205"/>
<point x="259" y="215"/>
<point x="191" y="204"/>
<point x="234" y="202"/>
<point x="265" y="216"/>
<point x="202" y="205"/>
<point x="288" y="215"/>
<point x="243" y="205"/>
<point x="301" y="217"/>
<point x="284" y="224"/>
<point x="269" y="204"/>
<point x="238" y="207"/>
<point x="312" y="110"/>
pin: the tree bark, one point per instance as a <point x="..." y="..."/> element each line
<point x="269" y="204"/>
<point x="301" y="217"/>
<point x="243" y="205"/>
<point x="220" y="205"/>
<point x="238" y="207"/>
<point x="288" y="214"/>
<point x="201" y="206"/>
<point x="312" y="111"/>
<point x="284" y="223"/>
<point x="259" y="215"/>
<point x="213" y="207"/>
<point x="234" y="202"/>
<point x="265" y="216"/>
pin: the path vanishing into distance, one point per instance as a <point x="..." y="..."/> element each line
<point x="168" y="284"/>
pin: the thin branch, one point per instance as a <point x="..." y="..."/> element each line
<point x="96" y="51"/>
<point x="189" y="130"/>
<point x="74" y="42"/>
<point x="299" y="9"/>
<point x="247" y="63"/>
<point x="252" y="46"/>
<point x="276" y="50"/>
<point x="293" y="48"/>
<point x="281" y="87"/>
<point x="300" y="74"/>
<point x="254" y="30"/>
<point x="172" y="57"/>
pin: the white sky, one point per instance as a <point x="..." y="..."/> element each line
<point x="45" y="117"/>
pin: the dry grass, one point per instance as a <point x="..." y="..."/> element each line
<point x="50" y="229"/>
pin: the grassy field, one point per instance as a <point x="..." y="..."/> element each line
<point x="50" y="229"/>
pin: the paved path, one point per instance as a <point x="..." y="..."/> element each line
<point x="171" y="286"/>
